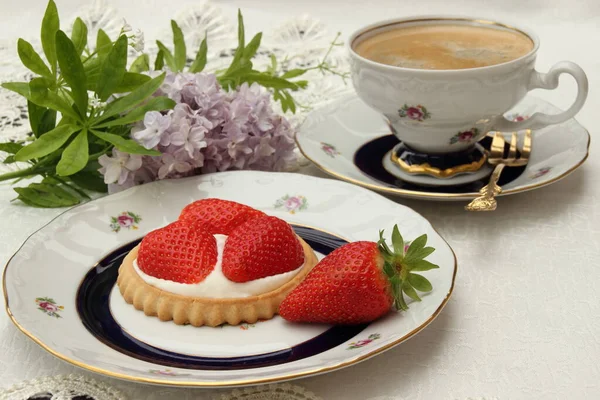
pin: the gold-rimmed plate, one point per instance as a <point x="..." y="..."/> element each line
<point x="348" y="140"/>
<point x="62" y="280"/>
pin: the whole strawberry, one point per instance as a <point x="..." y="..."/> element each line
<point x="218" y="216"/>
<point x="178" y="252"/>
<point x="360" y="281"/>
<point x="261" y="247"/>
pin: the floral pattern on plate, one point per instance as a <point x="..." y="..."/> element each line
<point x="292" y="204"/>
<point x="415" y="113"/>
<point x="517" y="117"/>
<point x="364" y="342"/>
<point x="49" y="306"/>
<point x="464" y="137"/>
<point x="540" y="172"/>
<point x="126" y="219"/>
<point x="329" y="149"/>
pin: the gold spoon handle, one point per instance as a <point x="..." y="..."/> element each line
<point x="487" y="200"/>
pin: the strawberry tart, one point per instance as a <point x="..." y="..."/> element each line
<point x="220" y="262"/>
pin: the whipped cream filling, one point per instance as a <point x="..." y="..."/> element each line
<point x="216" y="285"/>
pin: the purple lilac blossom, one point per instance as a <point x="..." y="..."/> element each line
<point x="209" y="130"/>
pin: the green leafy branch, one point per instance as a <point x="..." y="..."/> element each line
<point x="241" y="70"/>
<point x="65" y="152"/>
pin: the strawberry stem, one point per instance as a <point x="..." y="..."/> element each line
<point x="399" y="263"/>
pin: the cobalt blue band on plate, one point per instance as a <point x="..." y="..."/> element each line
<point x="93" y="298"/>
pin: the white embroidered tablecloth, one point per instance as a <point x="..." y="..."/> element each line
<point x="523" y="322"/>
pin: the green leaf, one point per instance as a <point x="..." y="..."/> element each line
<point x="420" y="283"/>
<point x="269" y="81"/>
<point x="252" y="47"/>
<point x="54" y="189"/>
<point x="416" y="246"/>
<point x="48" y="122"/>
<point x="422" y="265"/>
<point x="200" y="61"/>
<point x="35" y="114"/>
<point x="131" y="81"/>
<point x="21" y="88"/>
<point x="75" y="156"/>
<point x="386" y="252"/>
<point x="159" y="63"/>
<point x="103" y="43"/>
<point x="419" y="255"/>
<point x="10" y="147"/>
<point x="128" y="146"/>
<point x="141" y="64"/>
<point x="113" y="69"/>
<point x="155" y="104"/>
<point x="50" y="25"/>
<point x="92" y="67"/>
<point x="293" y="73"/>
<point x="388" y="269"/>
<point x="47" y="196"/>
<point x="42" y="96"/>
<point x="47" y="143"/>
<point x="72" y="71"/>
<point x="410" y="291"/>
<point x="291" y="104"/>
<point x="168" y="56"/>
<point x="180" y="49"/>
<point x="241" y="31"/>
<point x="9" y="160"/>
<point x="90" y="180"/>
<point x="397" y="240"/>
<point x="79" y="35"/>
<point x="31" y="59"/>
<point x="134" y="98"/>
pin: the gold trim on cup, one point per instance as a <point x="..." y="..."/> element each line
<point x="437" y="172"/>
<point x="242" y="382"/>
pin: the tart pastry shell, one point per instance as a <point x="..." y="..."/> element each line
<point x="199" y="311"/>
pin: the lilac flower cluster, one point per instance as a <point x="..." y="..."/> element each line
<point x="209" y="130"/>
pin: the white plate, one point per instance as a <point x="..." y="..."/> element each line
<point x="49" y="282"/>
<point x="331" y="136"/>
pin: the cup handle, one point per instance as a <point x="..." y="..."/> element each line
<point x="550" y="81"/>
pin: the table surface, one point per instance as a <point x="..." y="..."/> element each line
<point x="523" y="322"/>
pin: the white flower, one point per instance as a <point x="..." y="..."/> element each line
<point x="95" y="101"/>
<point x="190" y="137"/>
<point x="156" y="124"/>
<point x="137" y="41"/>
<point x="174" y="162"/>
<point x="126" y="27"/>
<point x="118" y="167"/>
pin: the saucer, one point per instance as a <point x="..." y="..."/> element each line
<point x="349" y="140"/>
<point x="60" y="291"/>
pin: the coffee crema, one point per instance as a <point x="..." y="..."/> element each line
<point x="443" y="46"/>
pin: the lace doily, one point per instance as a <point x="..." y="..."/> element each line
<point x="283" y="391"/>
<point x="71" y="387"/>
<point x="299" y="42"/>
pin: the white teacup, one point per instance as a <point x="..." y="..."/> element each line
<point x="447" y="111"/>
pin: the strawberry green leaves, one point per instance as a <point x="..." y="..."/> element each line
<point x="400" y="267"/>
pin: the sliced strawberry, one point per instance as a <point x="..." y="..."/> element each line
<point x="218" y="216"/>
<point x="261" y="247"/>
<point x="360" y="281"/>
<point x="178" y="252"/>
